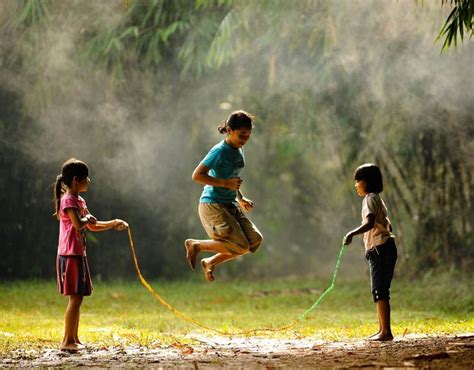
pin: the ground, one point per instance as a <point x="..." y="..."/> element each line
<point x="124" y="326"/>
<point x="410" y="351"/>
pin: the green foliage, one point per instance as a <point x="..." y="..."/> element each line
<point x="333" y="85"/>
<point x="459" y="22"/>
<point x="153" y="32"/>
<point x="207" y="35"/>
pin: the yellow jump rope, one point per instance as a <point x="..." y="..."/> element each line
<point x="245" y="332"/>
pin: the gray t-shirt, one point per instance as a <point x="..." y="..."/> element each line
<point x="373" y="204"/>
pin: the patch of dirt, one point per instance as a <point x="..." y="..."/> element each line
<point x="426" y="352"/>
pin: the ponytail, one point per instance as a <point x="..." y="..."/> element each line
<point x="57" y="191"/>
<point x="222" y="128"/>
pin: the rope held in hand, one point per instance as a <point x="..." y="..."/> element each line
<point x="246" y="332"/>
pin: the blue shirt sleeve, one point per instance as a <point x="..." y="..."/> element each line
<point x="212" y="159"/>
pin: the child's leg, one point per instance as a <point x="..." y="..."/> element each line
<point x="193" y="247"/>
<point x="383" y="309"/>
<point x="380" y="325"/>
<point x="76" y="329"/>
<point x="209" y="264"/>
<point x="71" y="320"/>
<point x="252" y="234"/>
<point x="382" y="264"/>
<point x="227" y="239"/>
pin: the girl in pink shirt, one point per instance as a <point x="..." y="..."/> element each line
<point x="71" y="263"/>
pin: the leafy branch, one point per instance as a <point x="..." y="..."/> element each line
<point x="458" y="21"/>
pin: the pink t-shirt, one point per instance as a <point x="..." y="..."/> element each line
<point x="71" y="241"/>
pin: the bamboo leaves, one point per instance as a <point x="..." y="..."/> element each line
<point x="458" y="21"/>
<point x="155" y="31"/>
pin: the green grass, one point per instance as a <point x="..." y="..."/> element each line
<point x="123" y="313"/>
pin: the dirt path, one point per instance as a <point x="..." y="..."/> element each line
<point x="427" y="352"/>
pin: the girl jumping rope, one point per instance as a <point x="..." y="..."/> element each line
<point x="71" y="263"/>
<point x="232" y="233"/>
<point x="380" y="248"/>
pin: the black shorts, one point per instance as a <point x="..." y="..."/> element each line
<point x="382" y="261"/>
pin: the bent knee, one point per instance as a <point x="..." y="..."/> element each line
<point x="256" y="244"/>
<point x="238" y="249"/>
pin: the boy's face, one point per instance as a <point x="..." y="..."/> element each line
<point x="360" y="188"/>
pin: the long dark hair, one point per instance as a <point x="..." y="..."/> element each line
<point x="237" y="120"/>
<point x="70" y="169"/>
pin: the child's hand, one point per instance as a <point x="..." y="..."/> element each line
<point x="90" y="219"/>
<point x="348" y="239"/>
<point x="120" y="224"/>
<point x="233" y="183"/>
<point x="246" y="204"/>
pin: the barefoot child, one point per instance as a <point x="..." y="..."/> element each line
<point x="71" y="263"/>
<point x="380" y="248"/>
<point x="232" y="233"/>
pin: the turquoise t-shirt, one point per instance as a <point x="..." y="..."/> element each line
<point x="224" y="162"/>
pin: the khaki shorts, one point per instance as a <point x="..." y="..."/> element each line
<point x="227" y="223"/>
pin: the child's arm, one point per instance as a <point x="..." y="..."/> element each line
<point x="78" y="221"/>
<point x="366" y="226"/>
<point x="116" y="224"/>
<point x="95" y="226"/>
<point x="245" y="203"/>
<point x="201" y="176"/>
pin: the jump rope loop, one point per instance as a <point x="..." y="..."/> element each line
<point x="189" y="319"/>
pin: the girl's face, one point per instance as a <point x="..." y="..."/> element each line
<point x="360" y="188"/>
<point x="83" y="185"/>
<point x="238" y="138"/>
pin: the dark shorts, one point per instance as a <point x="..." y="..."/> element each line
<point x="73" y="275"/>
<point x="382" y="261"/>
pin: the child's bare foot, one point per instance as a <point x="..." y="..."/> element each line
<point x="381" y="337"/>
<point x="208" y="270"/>
<point x="70" y="347"/>
<point x="191" y="252"/>
<point x="373" y="335"/>
<point x="80" y="345"/>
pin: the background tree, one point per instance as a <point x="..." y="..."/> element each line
<point x="137" y="92"/>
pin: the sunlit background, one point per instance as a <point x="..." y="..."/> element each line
<point x="137" y="89"/>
